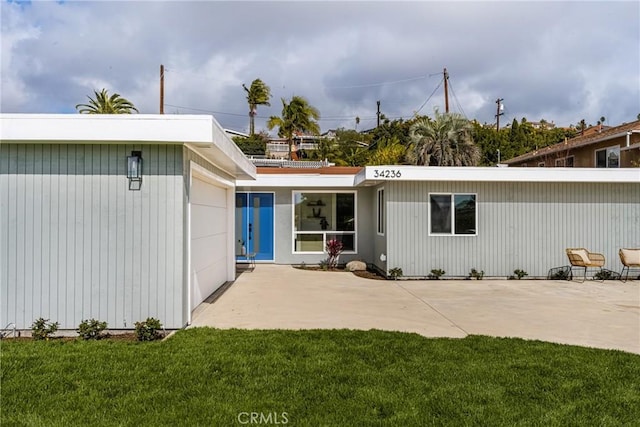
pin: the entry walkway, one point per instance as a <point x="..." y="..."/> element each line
<point x="593" y="314"/>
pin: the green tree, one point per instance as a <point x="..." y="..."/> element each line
<point x="388" y="152"/>
<point x="252" y="145"/>
<point x="297" y="116"/>
<point x="445" y="140"/>
<point x="257" y="94"/>
<point x="105" y="104"/>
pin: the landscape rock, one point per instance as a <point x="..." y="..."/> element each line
<point x="356" y="266"/>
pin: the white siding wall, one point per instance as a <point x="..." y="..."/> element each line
<point x="76" y="243"/>
<point x="520" y="226"/>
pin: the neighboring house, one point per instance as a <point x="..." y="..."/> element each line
<point x="79" y="239"/>
<point x="419" y="218"/>
<point x="279" y="147"/>
<point x="599" y="147"/>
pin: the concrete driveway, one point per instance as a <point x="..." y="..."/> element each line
<point x="593" y="314"/>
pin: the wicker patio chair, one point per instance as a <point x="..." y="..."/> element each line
<point x="630" y="258"/>
<point x="582" y="258"/>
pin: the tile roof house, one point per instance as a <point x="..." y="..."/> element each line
<point x="613" y="147"/>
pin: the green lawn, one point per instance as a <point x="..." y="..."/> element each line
<point x="330" y="378"/>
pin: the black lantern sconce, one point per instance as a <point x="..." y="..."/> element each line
<point x="134" y="170"/>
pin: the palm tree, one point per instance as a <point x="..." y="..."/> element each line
<point x="105" y="104"/>
<point x="297" y="116"/>
<point x="258" y="94"/>
<point x="444" y="141"/>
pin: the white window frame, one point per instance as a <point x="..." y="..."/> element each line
<point x="573" y="161"/>
<point x="381" y="212"/>
<point x="323" y="232"/>
<point x="560" y="163"/>
<point x="607" y="150"/>
<point x="453" y="214"/>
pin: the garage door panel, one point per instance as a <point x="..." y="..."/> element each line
<point x="204" y="193"/>
<point x="206" y="283"/>
<point x="209" y="242"/>
<point x="207" y="220"/>
<point x="209" y="250"/>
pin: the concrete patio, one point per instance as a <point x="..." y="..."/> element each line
<point x="593" y="314"/>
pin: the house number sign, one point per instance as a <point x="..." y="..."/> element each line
<point x="386" y="173"/>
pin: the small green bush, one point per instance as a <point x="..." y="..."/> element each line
<point x="436" y="274"/>
<point x="603" y="275"/>
<point x="478" y="275"/>
<point x="149" y="330"/>
<point x="42" y="329"/>
<point x="395" y="273"/>
<point x="91" y="329"/>
<point x="520" y="273"/>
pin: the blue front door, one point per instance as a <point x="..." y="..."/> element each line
<point x="254" y="226"/>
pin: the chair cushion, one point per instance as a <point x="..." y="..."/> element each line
<point x="631" y="257"/>
<point x="583" y="254"/>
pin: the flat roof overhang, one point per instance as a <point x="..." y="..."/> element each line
<point x="201" y="133"/>
<point x="373" y="175"/>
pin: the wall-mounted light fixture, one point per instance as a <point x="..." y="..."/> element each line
<point x="134" y="170"/>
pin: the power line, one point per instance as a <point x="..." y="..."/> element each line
<point x="457" y="102"/>
<point x="425" y="102"/>
<point x="411" y="79"/>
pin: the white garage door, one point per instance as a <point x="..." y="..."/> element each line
<point x="209" y="239"/>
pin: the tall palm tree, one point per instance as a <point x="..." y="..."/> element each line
<point x="444" y="141"/>
<point x="297" y="116"/>
<point x="105" y="104"/>
<point x="257" y="94"/>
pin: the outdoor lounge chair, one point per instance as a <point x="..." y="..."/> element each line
<point x="630" y="258"/>
<point x="580" y="257"/>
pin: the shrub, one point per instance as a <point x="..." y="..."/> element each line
<point x="520" y="273"/>
<point x="395" y="273"/>
<point x="334" y="249"/>
<point x="478" y="275"/>
<point x="435" y="274"/>
<point x="42" y="329"/>
<point x="149" y="330"/>
<point x="603" y="275"/>
<point x="91" y="329"/>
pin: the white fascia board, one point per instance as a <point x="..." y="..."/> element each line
<point x="372" y="175"/>
<point x="201" y="133"/>
<point x="298" y="180"/>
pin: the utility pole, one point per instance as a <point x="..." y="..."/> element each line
<point x="499" y="112"/>
<point x="161" y="89"/>
<point x="446" y="91"/>
<point x="378" y="114"/>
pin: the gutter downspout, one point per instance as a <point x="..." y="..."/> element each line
<point x="629" y="132"/>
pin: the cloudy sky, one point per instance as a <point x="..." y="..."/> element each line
<point x="561" y="61"/>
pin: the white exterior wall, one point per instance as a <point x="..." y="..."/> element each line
<point x="76" y="243"/>
<point x="521" y="225"/>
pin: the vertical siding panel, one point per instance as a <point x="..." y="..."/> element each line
<point x="105" y="208"/>
<point x="153" y="225"/>
<point x="36" y="263"/>
<point x="48" y="286"/>
<point x="80" y="249"/>
<point x="10" y="235"/>
<point x="4" y="231"/>
<point x="31" y="301"/>
<point x="162" y="208"/>
<point x="121" y="240"/>
<point x="171" y="209"/>
<point x="93" y="160"/>
<point x="111" y="224"/>
<point x="144" y="243"/>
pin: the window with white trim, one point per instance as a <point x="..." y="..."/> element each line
<point x="452" y="214"/>
<point x="322" y="216"/>
<point x="381" y="211"/>
<point x="608" y="157"/>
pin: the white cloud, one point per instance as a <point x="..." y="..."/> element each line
<point x="559" y="61"/>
